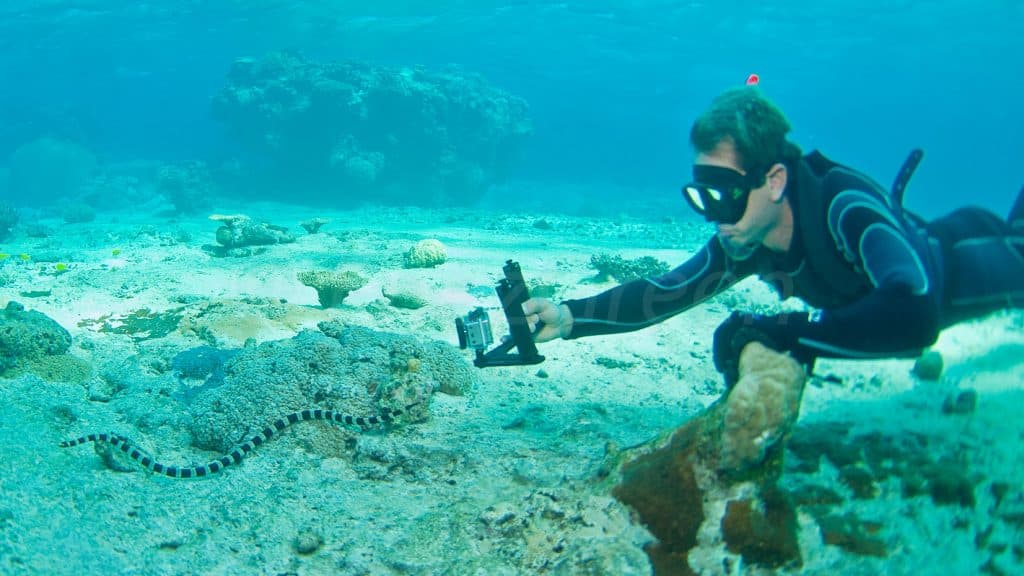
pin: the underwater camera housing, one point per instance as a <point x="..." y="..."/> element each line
<point x="474" y="329"/>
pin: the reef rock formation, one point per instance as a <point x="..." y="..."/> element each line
<point x="31" y="341"/>
<point x="707" y="490"/>
<point x="347" y="368"/>
<point x="237" y="233"/>
<point x="360" y="132"/>
<point x="332" y="287"/>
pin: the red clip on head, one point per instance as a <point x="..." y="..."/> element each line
<point x="753" y="80"/>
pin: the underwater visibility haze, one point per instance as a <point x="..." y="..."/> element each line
<point x="263" y="267"/>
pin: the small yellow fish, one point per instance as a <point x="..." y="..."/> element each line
<point x="115" y="251"/>
<point x="4" y="256"/>
<point x="24" y="257"/>
<point x="61" y="267"/>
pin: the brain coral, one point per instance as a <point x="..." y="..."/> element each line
<point x="762" y="406"/>
<point x="351" y="369"/>
<point x="29" y="335"/>
<point x="426" y="254"/>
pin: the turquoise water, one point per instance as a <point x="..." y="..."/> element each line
<point x="612" y="86"/>
<point x="214" y="215"/>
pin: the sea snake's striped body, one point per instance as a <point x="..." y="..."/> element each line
<point x="236" y="455"/>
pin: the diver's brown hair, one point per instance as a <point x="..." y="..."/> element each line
<point x="756" y="126"/>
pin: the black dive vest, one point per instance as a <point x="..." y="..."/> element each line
<point x="825" y="278"/>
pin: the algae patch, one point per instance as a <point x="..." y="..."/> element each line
<point x="141" y="324"/>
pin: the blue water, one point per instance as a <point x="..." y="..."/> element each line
<point x="612" y="88"/>
<point x="612" y="85"/>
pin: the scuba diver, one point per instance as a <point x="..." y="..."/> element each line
<point x="882" y="281"/>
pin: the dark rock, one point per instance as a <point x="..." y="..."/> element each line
<point x="949" y="485"/>
<point x="981" y="539"/>
<point x="887" y="455"/>
<point x="200" y="362"/>
<point x="859" y="480"/>
<point x="999" y="490"/>
<point x="810" y="442"/>
<point x="914" y="484"/>
<point x="928" y="366"/>
<point x="815" y="495"/>
<point x="963" y="403"/>
<point x="663" y="487"/>
<point x="1013" y="516"/>
<point x="307" y="542"/>
<point x="992" y="568"/>
<point x="765" y="538"/>
<point x="853" y="535"/>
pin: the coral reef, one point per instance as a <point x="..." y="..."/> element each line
<point x="8" y="219"/>
<point x="762" y="530"/>
<point x="313" y="225"/>
<point x="77" y="213"/>
<point x="623" y="270"/>
<point x="363" y="132"/>
<point x="58" y="368"/>
<point x="332" y="287"/>
<point x="188" y="186"/>
<point x="109" y="190"/>
<point x="48" y="169"/>
<point x="712" y="481"/>
<point x="238" y="232"/>
<point x="549" y="532"/>
<point x="760" y="409"/>
<point x="923" y="466"/>
<point x="200" y="362"/>
<point x="345" y="368"/>
<point x="426" y="253"/>
<point x="30" y="341"/>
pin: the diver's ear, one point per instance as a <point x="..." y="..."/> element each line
<point x="777" y="178"/>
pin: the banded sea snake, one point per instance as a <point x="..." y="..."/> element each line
<point x="240" y="452"/>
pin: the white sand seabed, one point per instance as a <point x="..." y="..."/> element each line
<point x="517" y="433"/>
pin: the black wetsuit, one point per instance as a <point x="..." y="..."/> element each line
<point x="886" y="286"/>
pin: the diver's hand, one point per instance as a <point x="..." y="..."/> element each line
<point x="557" y="319"/>
<point x="779" y="332"/>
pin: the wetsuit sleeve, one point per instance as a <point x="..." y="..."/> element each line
<point x="641" y="303"/>
<point x="900" y="315"/>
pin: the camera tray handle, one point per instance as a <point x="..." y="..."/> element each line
<point x="512" y="292"/>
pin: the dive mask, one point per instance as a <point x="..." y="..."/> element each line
<point x="720" y="194"/>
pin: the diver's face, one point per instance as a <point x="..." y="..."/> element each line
<point x="763" y="211"/>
